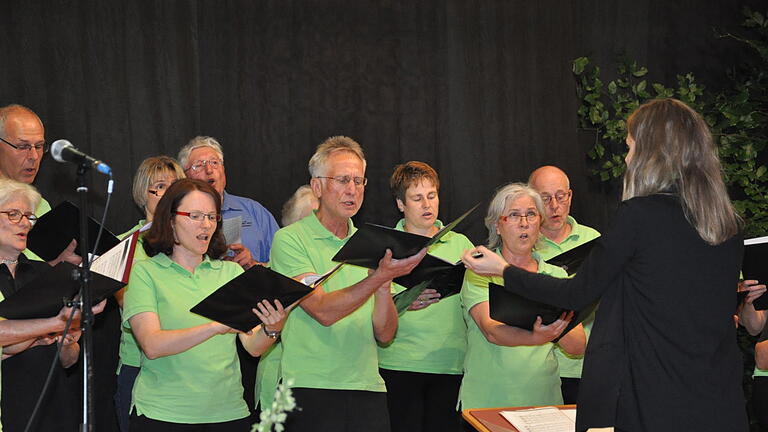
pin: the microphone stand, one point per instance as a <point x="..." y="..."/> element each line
<point x="85" y="301"/>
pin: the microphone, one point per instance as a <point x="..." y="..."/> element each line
<point x="63" y="151"/>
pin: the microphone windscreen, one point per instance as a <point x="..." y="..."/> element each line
<point x="58" y="147"/>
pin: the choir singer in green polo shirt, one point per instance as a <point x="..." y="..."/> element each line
<point x="329" y="342"/>
<point x="560" y="233"/>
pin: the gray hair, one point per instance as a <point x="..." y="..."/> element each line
<point x="197" y="142"/>
<point x="299" y="205"/>
<point x="10" y="189"/>
<point x="329" y="146"/>
<point x="147" y="173"/>
<point x="503" y="195"/>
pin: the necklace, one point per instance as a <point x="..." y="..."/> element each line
<point x="9" y="261"/>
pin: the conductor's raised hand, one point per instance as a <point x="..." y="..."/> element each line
<point x="390" y="268"/>
<point x="547" y="333"/>
<point x="483" y="261"/>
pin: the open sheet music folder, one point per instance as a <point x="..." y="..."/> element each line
<point x="55" y="230"/>
<point x="231" y="304"/>
<point x="518" y="311"/>
<point x="754" y="265"/>
<point x="571" y="260"/>
<point x="44" y="296"/>
<point x="370" y="242"/>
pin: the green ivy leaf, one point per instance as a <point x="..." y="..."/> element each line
<point x="579" y="64"/>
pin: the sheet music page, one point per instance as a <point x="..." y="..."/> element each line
<point x="231" y="228"/>
<point x="546" y="419"/>
<point x="113" y="263"/>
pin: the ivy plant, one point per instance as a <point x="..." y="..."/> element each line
<point x="736" y="114"/>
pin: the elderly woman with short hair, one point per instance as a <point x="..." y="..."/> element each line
<point x="17" y="203"/>
<point x="506" y="365"/>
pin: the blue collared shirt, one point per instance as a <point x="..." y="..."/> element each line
<point x="259" y="226"/>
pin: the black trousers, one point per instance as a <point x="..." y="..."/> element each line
<point x="569" y="387"/>
<point x="323" y="410"/>
<point x="144" y="424"/>
<point x="760" y="401"/>
<point x="422" y="402"/>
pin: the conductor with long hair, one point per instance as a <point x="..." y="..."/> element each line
<point x="663" y="354"/>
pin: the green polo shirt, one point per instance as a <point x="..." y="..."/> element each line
<point x="341" y="356"/>
<point x="130" y="353"/>
<point x="42" y="209"/>
<point x="433" y="339"/>
<point x="497" y="375"/>
<point x="201" y="384"/>
<point x="570" y="365"/>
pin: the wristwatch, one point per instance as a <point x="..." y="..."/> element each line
<point x="270" y="334"/>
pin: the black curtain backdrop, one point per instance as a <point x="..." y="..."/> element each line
<point x="481" y="90"/>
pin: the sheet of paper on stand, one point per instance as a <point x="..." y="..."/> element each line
<point x="544" y="419"/>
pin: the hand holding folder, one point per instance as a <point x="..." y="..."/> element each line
<point x="754" y="265"/>
<point x="518" y="311"/>
<point x="44" y="296"/>
<point x="233" y="302"/>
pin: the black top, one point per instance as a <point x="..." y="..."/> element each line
<point x="662" y="354"/>
<point x="24" y="373"/>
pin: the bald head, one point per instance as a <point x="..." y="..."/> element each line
<point x="555" y="190"/>
<point x="548" y="173"/>
<point x="20" y="126"/>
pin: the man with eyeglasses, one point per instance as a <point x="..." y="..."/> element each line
<point x="203" y="159"/>
<point x="561" y="233"/>
<point x="23" y="146"/>
<point x="329" y="342"/>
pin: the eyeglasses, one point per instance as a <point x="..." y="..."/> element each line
<point x="516" y="217"/>
<point x="199" y="216"/>
<point x="159" y="189"/>
<point x="561" y="197"/>
<point x="15" y="216"/>
<point x="200" y="165"/>
<point x="39" y="147"/>
<point x="344" y="180"/>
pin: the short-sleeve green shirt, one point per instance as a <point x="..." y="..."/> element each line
<point x="129" y="350"/>
<point x="341" y="356"/>
<point x="570" y="365"/>
<point x="201" y="384"/>
<point x="42" y="208"/>
<point x="497" y="375"/>
<point x="434" y="339"/>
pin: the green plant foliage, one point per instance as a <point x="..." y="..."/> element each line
<point x="737" y="116"/>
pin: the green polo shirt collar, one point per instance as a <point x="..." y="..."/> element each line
<point x="319" y="231"/>
<point x="165" y="261"/>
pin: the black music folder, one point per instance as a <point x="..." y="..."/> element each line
<point x="518" y="311"/>
<point x="368" y="245"/>
<point x="55" y="230"/>
<point x="45" y="295"/>
<point x="754" y="265"/>
<point x="231" y="304"/>
<point x="571" y="260"/>
<point x="442" y="276"/>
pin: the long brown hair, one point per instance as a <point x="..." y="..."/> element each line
<point x="160" y="237"/>
<point x="674" y="151"/>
